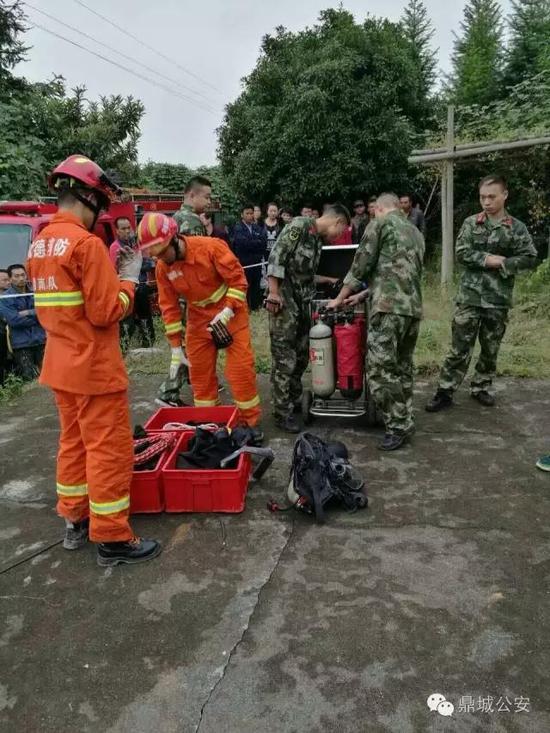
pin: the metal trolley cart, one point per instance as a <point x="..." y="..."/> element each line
<point x="333" y="393"/>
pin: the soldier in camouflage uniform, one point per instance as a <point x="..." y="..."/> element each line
<point x="390" y="258"/>
<point x="196" y="200"/>
<point x="291" y="271"/>
<point x="492" y="247"/>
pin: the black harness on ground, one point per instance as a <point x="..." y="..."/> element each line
<point x="321" y="474"/>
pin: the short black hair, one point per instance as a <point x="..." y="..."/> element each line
<point x="307" y="205"/>
<point x="499" y="180"/>
<point x="11" y="268"/>
<point x="122" y="218"/>
<point x="5" y="271"/>
<point x="338" y="211"/>
<point x="286" y="210"/>
<point x="358" y="202"/>
<point x="373" y="199"/>
<point x="247" y="206"/>
<point x="196" y="182"/>
<point x="272" y="203"/>
<point x="407" y="195"/>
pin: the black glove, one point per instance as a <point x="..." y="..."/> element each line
<point x="220" y="335"/>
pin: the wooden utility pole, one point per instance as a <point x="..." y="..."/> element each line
<point x="447" y="203"/>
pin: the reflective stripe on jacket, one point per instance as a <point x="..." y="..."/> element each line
<point x="79" y="301"/>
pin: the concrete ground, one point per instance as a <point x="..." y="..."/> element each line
<point x="253" y="622"/>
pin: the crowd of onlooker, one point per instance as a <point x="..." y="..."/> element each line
<point x="253" y="237"/>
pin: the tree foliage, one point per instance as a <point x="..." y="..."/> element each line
<point x="44" y="123"/>
<point x="165" y="177"/>
<point x="419" y="31"/>
<point x="529" y="48"/>
<point x="12" y="48"/>
<point x="326" y="112"/>
<point x="478" y="54"/>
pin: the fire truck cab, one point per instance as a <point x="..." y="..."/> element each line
<point x="22" y="221"/>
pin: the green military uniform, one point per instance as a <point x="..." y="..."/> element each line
<point x="188" y="222"/>
<point x="294" y="260"/>
<point x="484" y="296"/>
<point x="390" y="258"/>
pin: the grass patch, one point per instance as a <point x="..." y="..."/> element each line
<point x="11" y="389"/>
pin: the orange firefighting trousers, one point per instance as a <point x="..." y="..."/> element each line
<point x="95" y="463"/>
<point x="240" y="369"/>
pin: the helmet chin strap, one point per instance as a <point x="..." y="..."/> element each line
<point x="179" y="248"/>
<point x="94" y="208"/>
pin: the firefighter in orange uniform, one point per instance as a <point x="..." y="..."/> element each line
<point x="205" y="272"/>
<point x="79" y="301"/>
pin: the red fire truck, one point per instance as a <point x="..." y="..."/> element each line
<point x="21" y="221"/>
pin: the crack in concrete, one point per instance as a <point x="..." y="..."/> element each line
<point x="31" y="557"/>
<point x="241" y="638"/>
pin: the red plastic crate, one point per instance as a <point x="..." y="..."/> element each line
<point x="222" y="414"/>
<point x="146" y="494"/>
<point x="215" y="490"/>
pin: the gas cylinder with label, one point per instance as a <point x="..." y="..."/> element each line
<point x="321" y="356"/>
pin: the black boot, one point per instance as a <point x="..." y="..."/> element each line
<point x="484" y="398"/>
<point x="441" y="401"/>
<point x="129" y="552"/>
<point x="288" y="423"/>
<point x="393" y="441"/>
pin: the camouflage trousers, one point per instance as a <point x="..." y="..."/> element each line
<point x="289" y="332"/>
<point x="390" y="348"/>
<point x="471" y="322"/>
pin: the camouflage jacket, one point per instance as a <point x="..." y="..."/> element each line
<point x="390" y="258"/>
<point x="188" y="222"/>
<point x="295" y="257"/>
<point x="479" y="237"/>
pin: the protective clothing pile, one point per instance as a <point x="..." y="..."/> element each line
<point x="321" y="474"/>
<point x="206" y="449"/>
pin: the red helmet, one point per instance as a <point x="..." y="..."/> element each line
<point x="78" y="171"/>
<point x="155" y="232"/>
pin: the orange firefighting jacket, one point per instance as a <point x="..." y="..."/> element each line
<point x="79" y="301"/>
<point x="209" y="278"/>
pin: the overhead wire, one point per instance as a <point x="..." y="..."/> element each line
<point x="146" y="45"/>
<point x="120" y="53"/>
<point x="124" y="68"/>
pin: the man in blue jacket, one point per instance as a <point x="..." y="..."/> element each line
<point x="26" y="336"/>
<point x="249" y="243"/>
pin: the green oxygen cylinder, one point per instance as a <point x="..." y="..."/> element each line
<point x="321" y="356"/>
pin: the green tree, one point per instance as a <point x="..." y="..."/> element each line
<point x="42" y="125"/>
<point x="326" y="112"/>
<point x="12" y="49"/>
<point x="419" y="31"/>
<point x="165" y="177"/>
<point x="529" y="46"/>
<point x="478" y="55"/>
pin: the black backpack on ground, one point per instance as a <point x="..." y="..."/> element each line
<point x="321" y="474"/>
